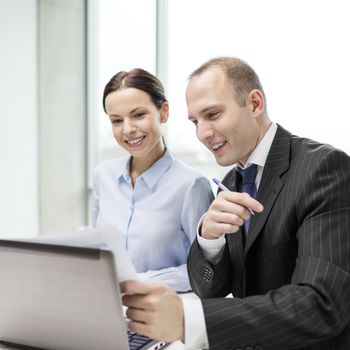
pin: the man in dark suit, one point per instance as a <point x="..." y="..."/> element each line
<point x="287" y="266"/>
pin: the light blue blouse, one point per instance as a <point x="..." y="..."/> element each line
<point x="157" y="218"/>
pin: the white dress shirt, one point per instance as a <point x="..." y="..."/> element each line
<point x="195" y="329"/>
<point x="157" y="217"/>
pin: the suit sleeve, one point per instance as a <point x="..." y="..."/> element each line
<point x="208" y="280"/>
<point x="315" y="306"/>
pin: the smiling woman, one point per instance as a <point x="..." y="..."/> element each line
<point x="153" y="200"/>
<point x="136" y="115"/>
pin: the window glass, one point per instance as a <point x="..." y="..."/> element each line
<point x="298" y="49"/>
<point x="125" y="38"/>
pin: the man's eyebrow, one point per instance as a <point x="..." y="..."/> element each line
<point x="208" y="108"/>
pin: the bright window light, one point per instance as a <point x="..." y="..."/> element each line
<point x="298" y="48"/>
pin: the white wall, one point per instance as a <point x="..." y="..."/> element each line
<point x="18" y="119"/>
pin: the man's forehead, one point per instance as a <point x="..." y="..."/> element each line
<point x="211" y="75"/>
<point x="208" y="85"/>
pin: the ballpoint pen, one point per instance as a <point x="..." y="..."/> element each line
<point x="224" y="188"/>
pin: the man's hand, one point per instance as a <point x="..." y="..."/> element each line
<point x="155" y="310"/>
<point x="227" y="213"/>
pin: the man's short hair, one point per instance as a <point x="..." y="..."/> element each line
<point x="243" y="77"/>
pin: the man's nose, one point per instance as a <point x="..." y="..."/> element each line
<point x="204" y="131"/>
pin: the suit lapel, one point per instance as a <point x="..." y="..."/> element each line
<point x="277" y="163"/>
<point x="230" y="180"/>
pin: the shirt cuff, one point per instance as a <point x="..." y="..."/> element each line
<point x="195" y="329"/>
<point x="213" y="249"/>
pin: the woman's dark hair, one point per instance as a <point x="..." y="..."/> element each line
<point x="139" y="79"/>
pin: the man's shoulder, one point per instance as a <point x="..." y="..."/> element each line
<point x="303" y="156"/>
<point x="313" y="162"/>
<point x="302" y="148"/>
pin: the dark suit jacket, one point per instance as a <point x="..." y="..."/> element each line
<point x="291" y="280"/>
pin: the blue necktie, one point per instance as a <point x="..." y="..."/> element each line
<point x="248" y="186"/>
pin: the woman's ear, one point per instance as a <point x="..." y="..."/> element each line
<point x="164" y="112"/>
<point x="256" y="101"/>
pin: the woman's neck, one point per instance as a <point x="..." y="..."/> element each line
<point x="139" y="165"/>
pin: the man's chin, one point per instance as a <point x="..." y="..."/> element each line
<point x="223" y="162"/>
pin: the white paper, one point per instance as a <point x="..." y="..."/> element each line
<point x="102" y="238"/>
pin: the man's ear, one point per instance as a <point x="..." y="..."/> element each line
<point x="256" y="101"/>
<point x="164" y="112"/>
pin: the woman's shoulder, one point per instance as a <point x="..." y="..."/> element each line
<point x="184" y="170"/>
<point x="111" y="165"/>
<point x="186" y="179"/>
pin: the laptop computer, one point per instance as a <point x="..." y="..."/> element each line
<point x="61" y="297"/>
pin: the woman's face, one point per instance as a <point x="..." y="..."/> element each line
<point x="136" y="123"/>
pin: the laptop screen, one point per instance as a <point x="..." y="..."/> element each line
<point x="60" y="297"/>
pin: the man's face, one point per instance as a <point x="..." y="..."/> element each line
<point x="228" y="130"/>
